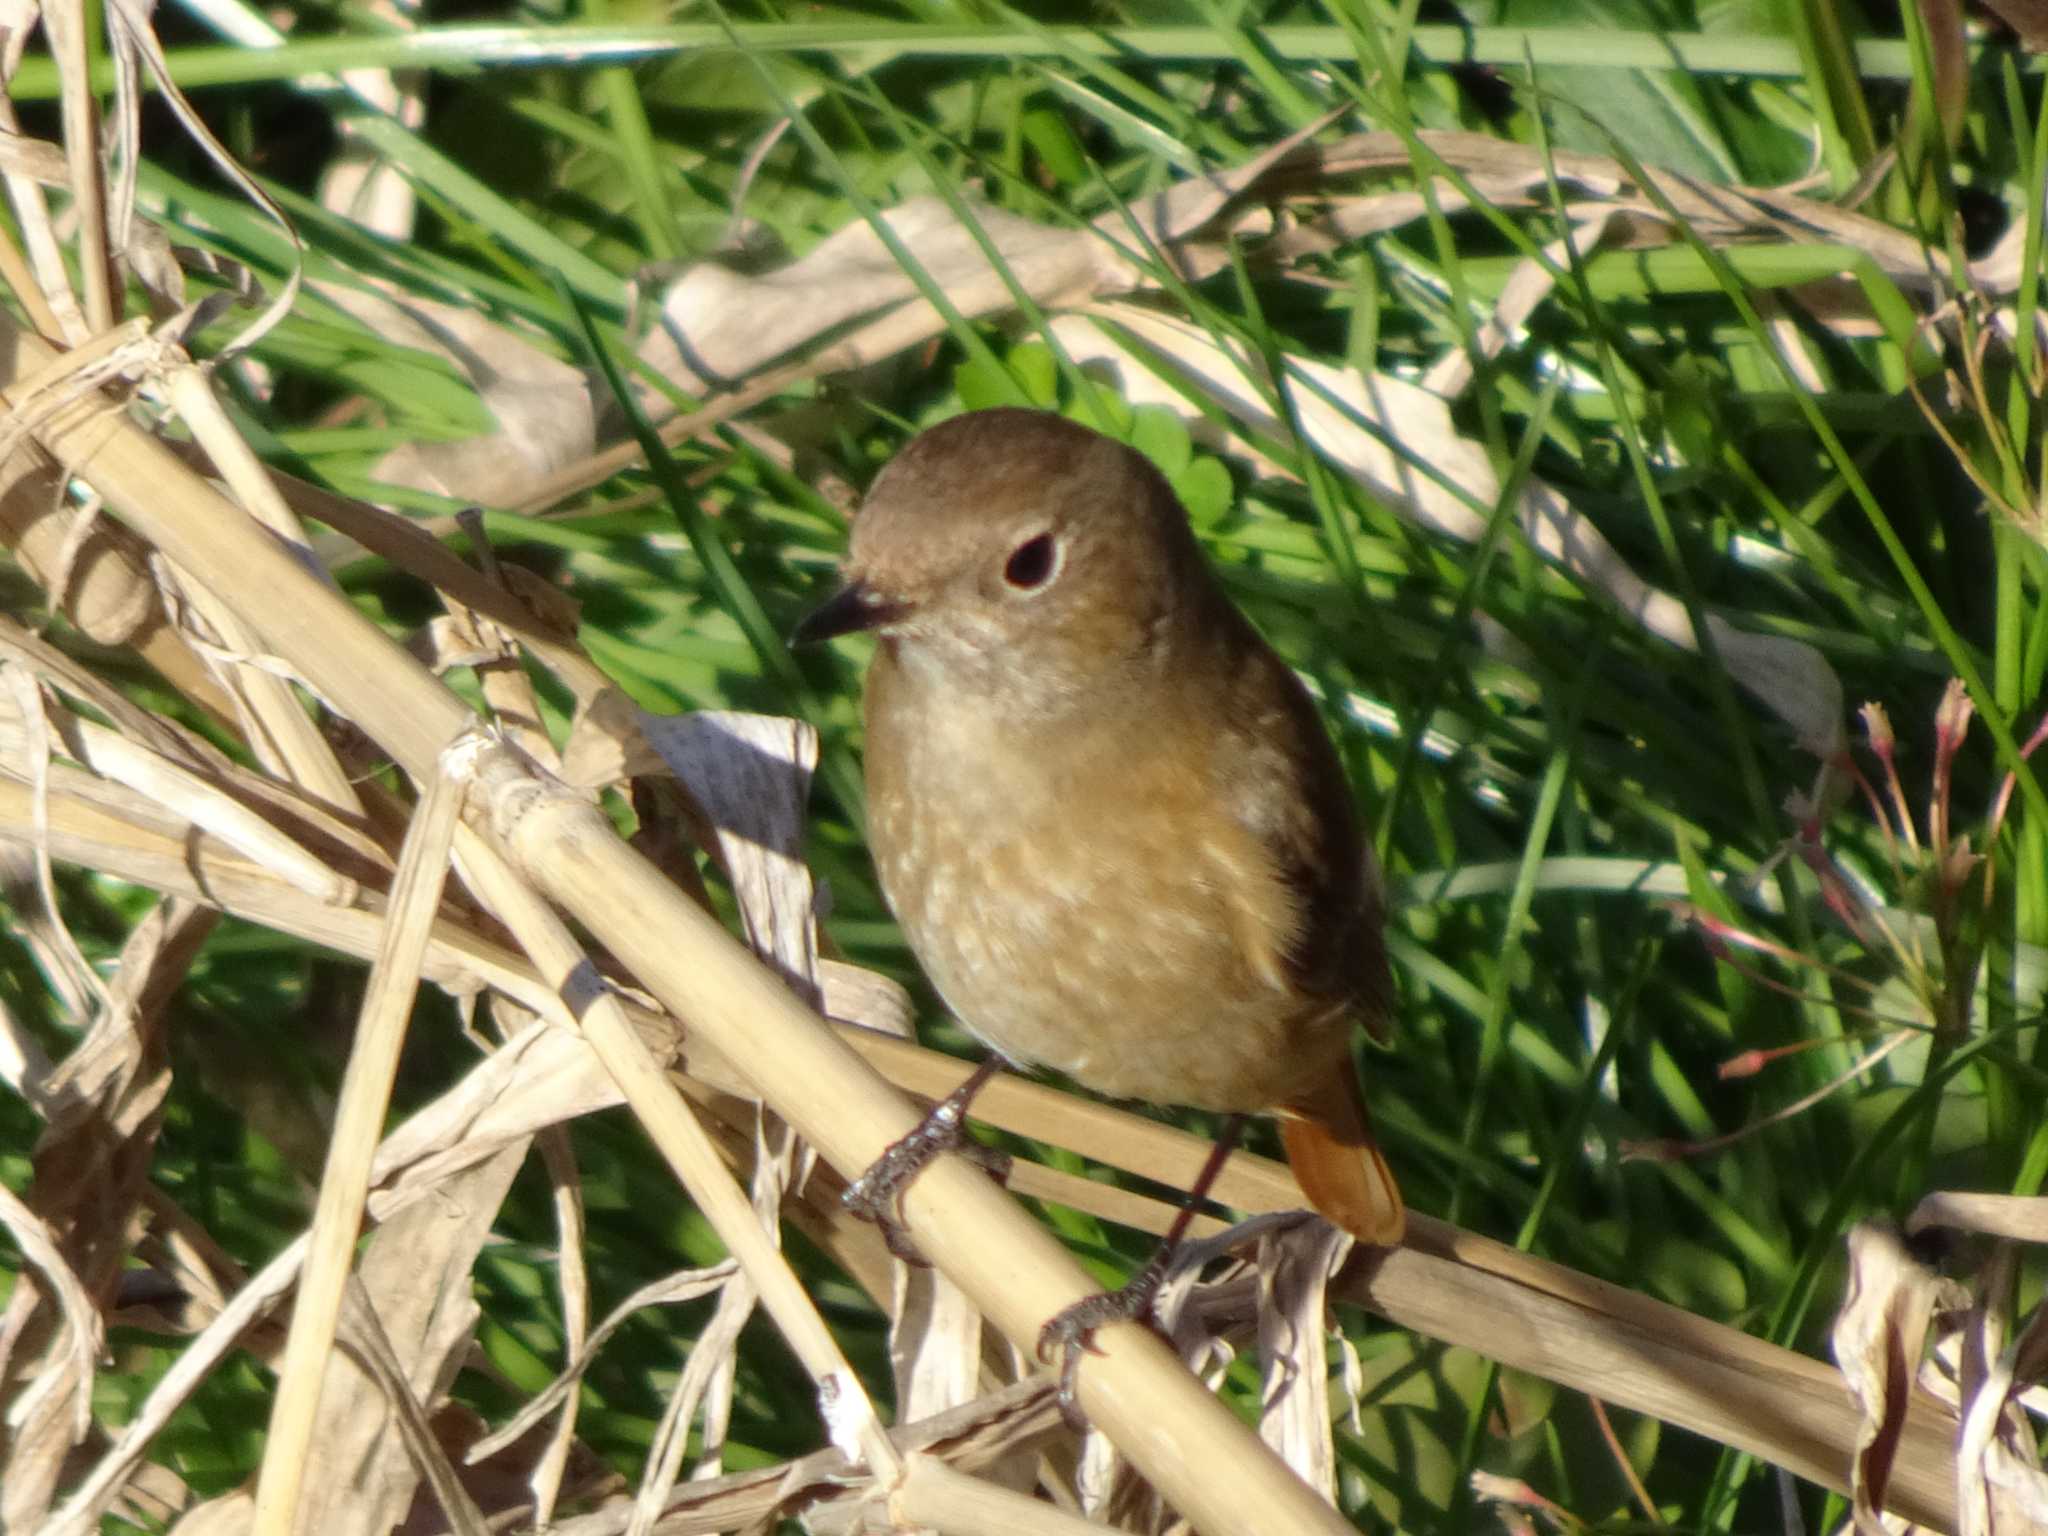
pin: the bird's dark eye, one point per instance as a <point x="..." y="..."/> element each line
<point x="1031" y="563"/>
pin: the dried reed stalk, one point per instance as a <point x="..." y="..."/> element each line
<point x="1202" y="1459"/>
<point x="1448" y="1285"/>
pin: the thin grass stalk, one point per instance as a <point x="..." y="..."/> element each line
<point x="65" y="23"/>
<point x="558" y="1153"/>
<point x="359" y="1119"/>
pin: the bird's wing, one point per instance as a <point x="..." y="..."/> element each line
<point x="1287" y="789"/>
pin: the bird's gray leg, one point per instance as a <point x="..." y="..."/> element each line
<point x="877" y="1194"/>
<point x="1071" y="1330"/>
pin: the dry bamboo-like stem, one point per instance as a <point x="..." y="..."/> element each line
<point x="96" y="577"/>
<point x="1630" y="1349"/>
<point x="296" y="740"/>
<point x="345" y="1182"/>
<point x="933" y="1494"/>
<point x="65" y="26"/>
<point x="1710" y="1374"/>
<point x="1190" y="1446"/>
<point x="1637" y="1353"/>
<point x="1202" y="1459"/>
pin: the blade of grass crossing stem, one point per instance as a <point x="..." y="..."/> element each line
<point x="1286" y="99"/>
<point x="1563" y="1155"/>
<point x="1728" y="707"/>
<point x="1835" y="89"/>
<point x="1493" y="1034"/>
<point x="540" y="245"/>
<point x="1376" y="59"/>
<point x="917" y="142"/>
<point x="1197" y="131"/>
<point x="1438" y="679"/>
<point x="1734" y="719"/>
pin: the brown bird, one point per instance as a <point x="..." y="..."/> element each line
<point x="1106" y="814"/>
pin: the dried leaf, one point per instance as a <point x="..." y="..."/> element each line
<point x="1295" y="1265"/>
<point x="2023" y="1218"/>
<point x="91" y="1167"/>
<point x="1878" y="1339"/>
<point x="856" y="995"/>
<point x="2029" y="18"/>
<point x="545" y="409"/>
<point x="231" y="1514"/>
<point x="606" y="745"/>
<point x="724" y="325"/>
<point x="415" y="1277"/>
<point x="53" y="1412"/>
<point x="751" y="776"/>
<point x="180" y="790"/>
<point x="934" y="1343"/>
<point x="36" y="159"/>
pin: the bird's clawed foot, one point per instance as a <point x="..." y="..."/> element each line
<point x="877" y="1194"/>
<point x="1071" y="1330"/>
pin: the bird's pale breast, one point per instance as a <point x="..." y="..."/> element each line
<point x="1100" y="916"/>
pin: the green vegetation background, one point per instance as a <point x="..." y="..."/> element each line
<point x="1500" y="724"/>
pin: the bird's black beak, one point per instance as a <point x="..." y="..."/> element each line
<point x="855" y="607"/>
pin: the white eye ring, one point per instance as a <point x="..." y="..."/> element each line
<point x="1034" y="563"/>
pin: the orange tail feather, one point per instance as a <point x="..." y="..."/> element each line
<point x="1339" y="1166"/>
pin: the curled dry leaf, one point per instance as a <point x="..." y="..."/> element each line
<point x="1295" y="1266"/>
<point x="2023" y="1218"/>
<point x="721" y="326"/>
<point x="751" y="777"/>
<point x="1879" y="1337"/>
